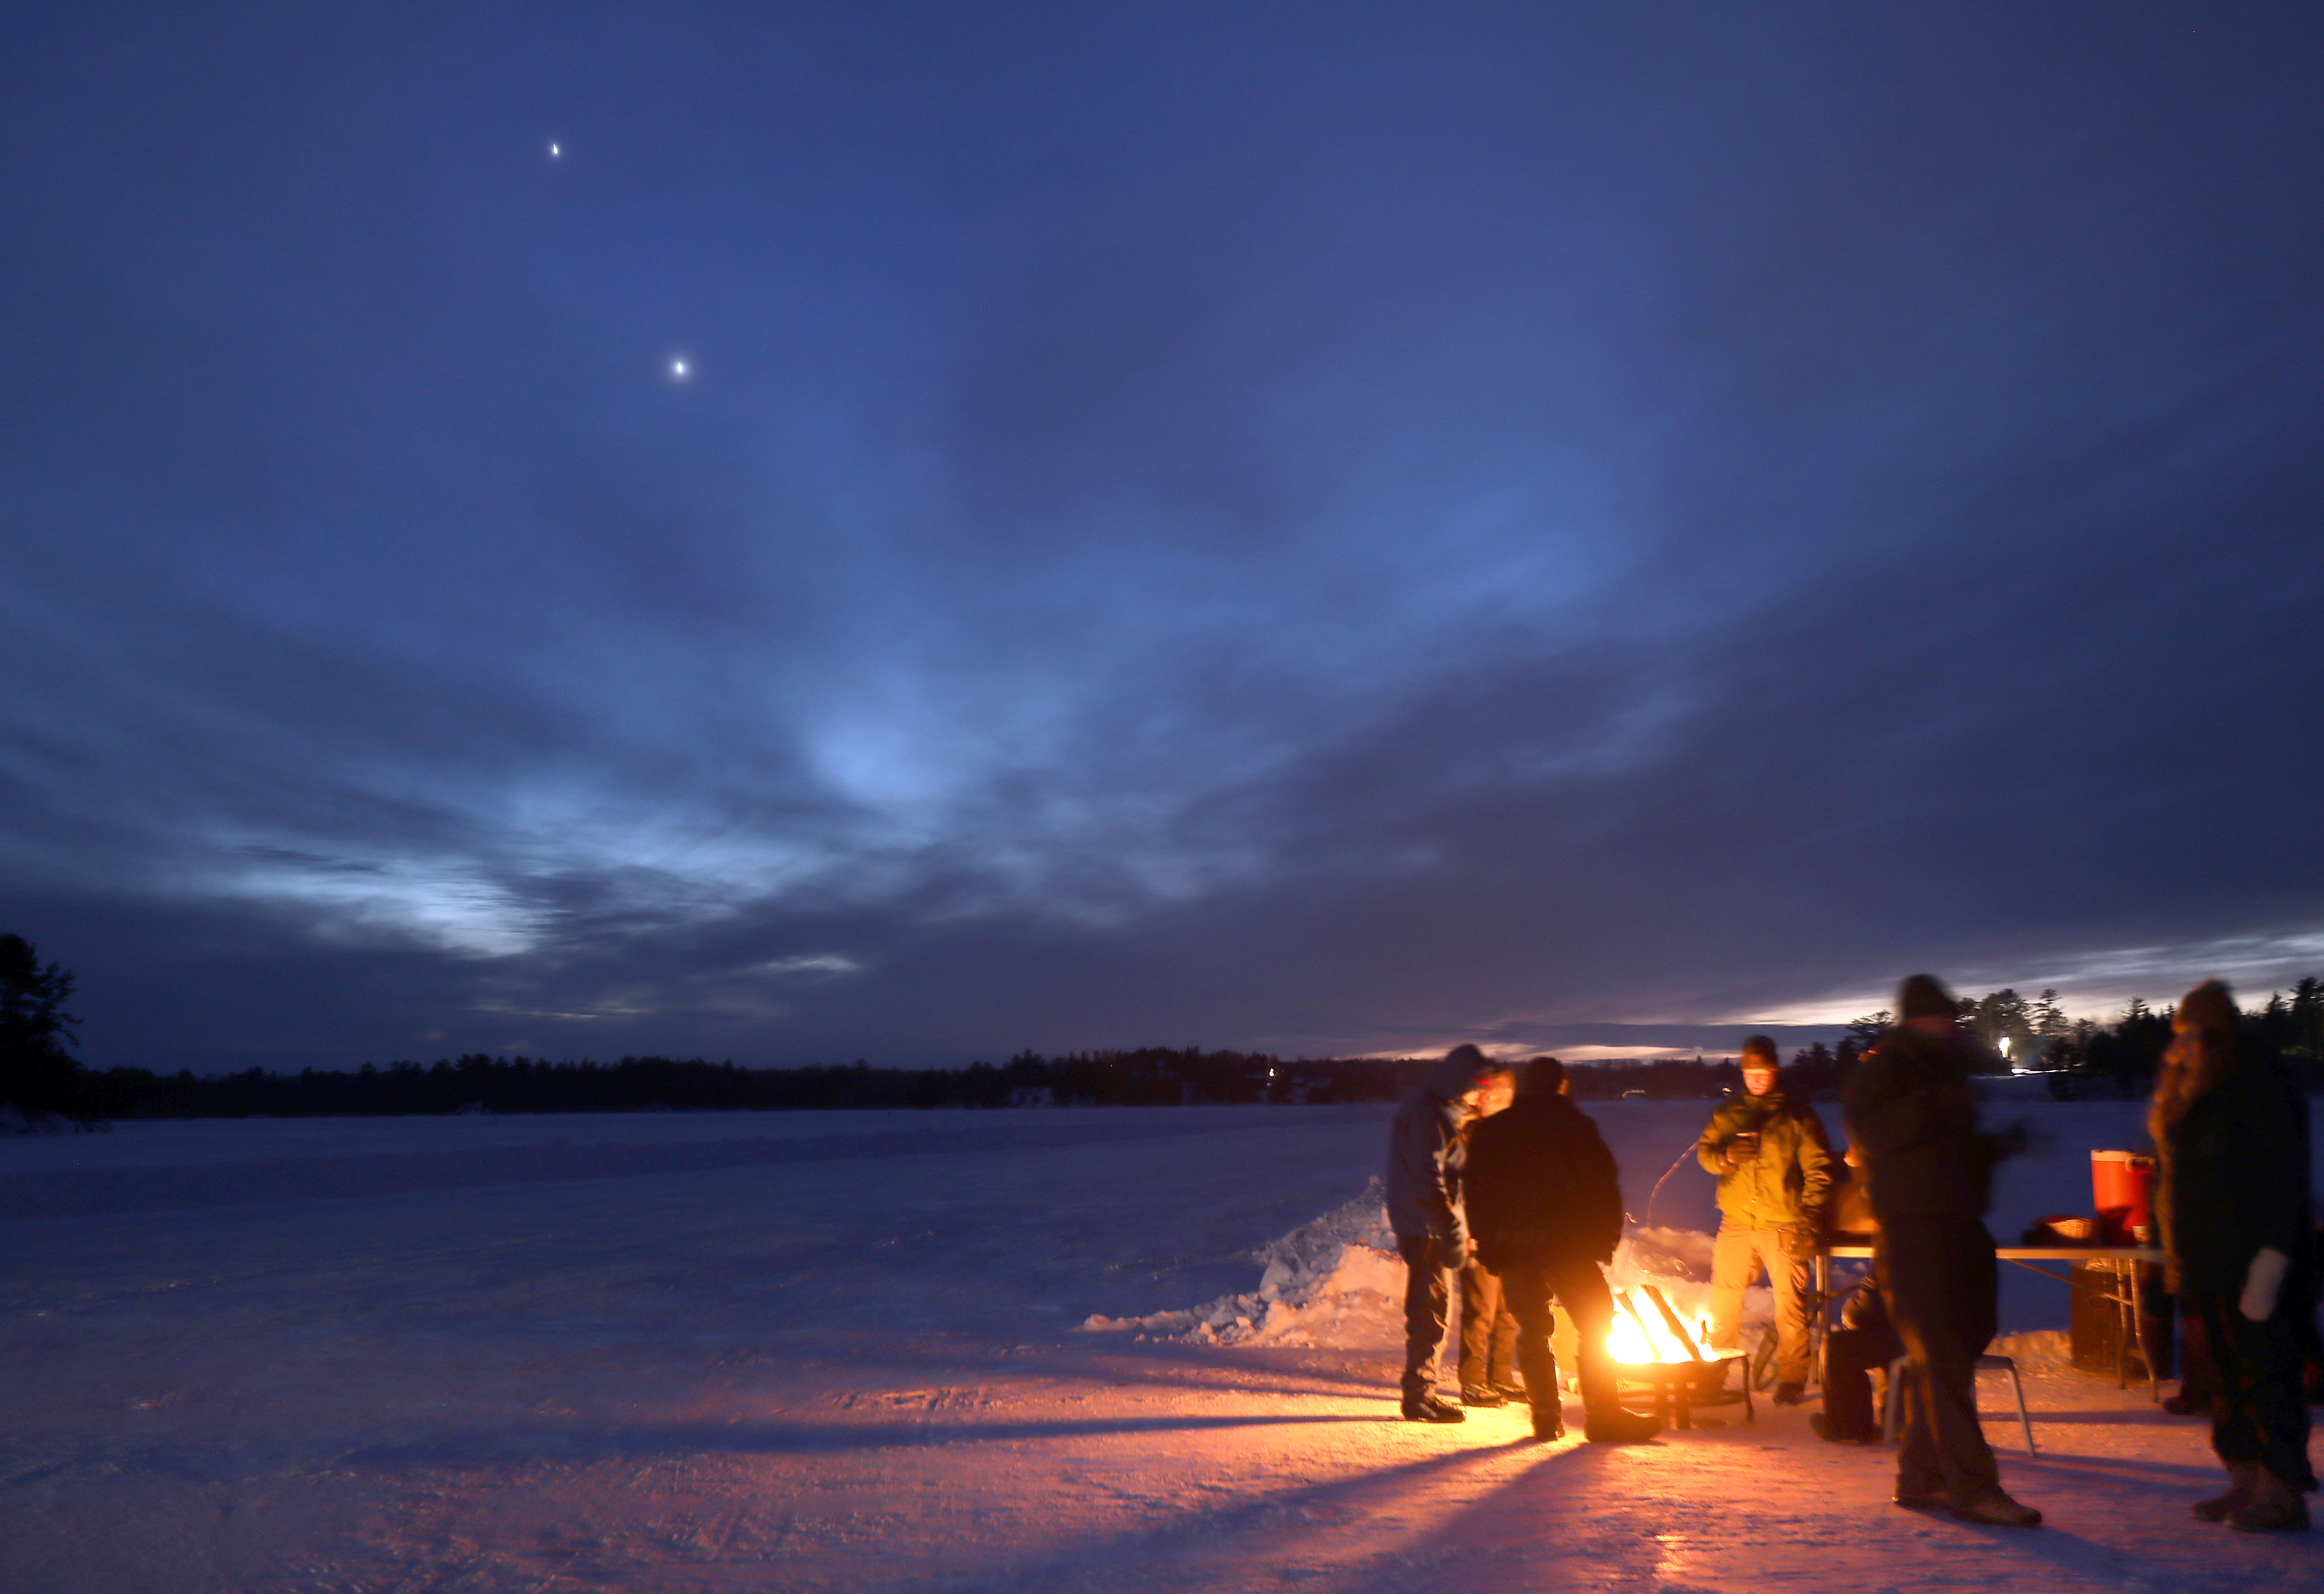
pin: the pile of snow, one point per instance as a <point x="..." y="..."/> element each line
<point x="1338" y="1281"/>
<point x="1335" y="1280"/>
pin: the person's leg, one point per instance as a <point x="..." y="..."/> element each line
<point x="1919" y="1477"/>
<point x="1480" y="1303"/>
<point x="1789" y="1280"/>
<point x="2260" y="1414"/>
<point x="2198" y="1383"/>
<point x="1501" y="1360"/>
<point x="1427" y="1304"/>
<point x="2259" y="1420"/>
<point x="1732" y="1266"/>
<point x="1581" y="1289"/>
<point x="1526" y="1292"/>
<point x="1942" y="1276"/>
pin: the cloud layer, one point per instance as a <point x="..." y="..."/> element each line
<point x="1267" y="529"/>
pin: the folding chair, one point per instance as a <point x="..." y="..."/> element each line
<point x="1985" y="1364"/>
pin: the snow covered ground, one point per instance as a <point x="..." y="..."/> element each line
<point x="871" y="1352"/>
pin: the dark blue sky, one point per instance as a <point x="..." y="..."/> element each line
<point x="1315" y="527"/>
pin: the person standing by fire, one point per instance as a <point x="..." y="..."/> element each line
<point x="1545" y="1203"/>
<point x="1424" y="1157"/>
<point x="1912" y="1108"/>
<point x="1774" y="1164"/>
<point x="1488" y="1334"/>
<point x="2231" y="1140"/>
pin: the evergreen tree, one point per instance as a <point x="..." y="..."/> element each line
<point x="2306" y="1015"/>
<point x="37" y="1074"/>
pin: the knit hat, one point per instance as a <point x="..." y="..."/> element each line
<point x="1758" y="1051"/>
<point x="1472" y="1063"/>
<point x="1923" y="997"/>
<point x="1543" y="1076"/>
<point x="2209" y="1006"/>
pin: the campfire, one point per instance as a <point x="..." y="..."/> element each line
<point x="1654" y="1333"/>
<point x="1652" y="1348"/>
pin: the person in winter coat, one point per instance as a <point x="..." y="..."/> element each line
<point x="1545" y="1203"/>
<point x="1912" y="1111"/>
<point x="1774" y="1164"/>
<point x="1424" y="1156"/>
<point x="1488" y="1332"/>
<point x="2231" y="1143"/>
<point x="1867" y="1336"/>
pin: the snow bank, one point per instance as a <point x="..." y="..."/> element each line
<point x="1338" y="1281"/>
<point x="1335" y="1280"/>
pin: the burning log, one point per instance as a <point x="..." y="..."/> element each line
<point x="1677" y="1328"/>
<point x="1659" y="1353"/>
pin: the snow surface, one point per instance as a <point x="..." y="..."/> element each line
<point x="1031" y="1350"/>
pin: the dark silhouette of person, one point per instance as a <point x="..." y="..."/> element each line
<point x="1489" y="1329"/>
<point x="1867" y="1336"/>
<point x="1546" y="1202"/>
<point x="1424" y="1154"/>
<point x="1912" y="1111"/>
<point x="2231" y="1145"/>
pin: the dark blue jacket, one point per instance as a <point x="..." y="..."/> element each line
<point x="1424" y="1158"/>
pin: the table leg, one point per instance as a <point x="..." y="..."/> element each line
<point x="2137" y="1310"/>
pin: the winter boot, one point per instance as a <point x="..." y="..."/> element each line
<point x="1996" y="1509"/>
<point x="1549" y="1421"/>
<point x="1425" y="1407"/>
<point x="1472" y="1396"/>
<point x="1614" y="1425"/>
<point x="1790" y="1393"/>
<point x="2274" y="1506"/>
<point x="2241" y="1477"/>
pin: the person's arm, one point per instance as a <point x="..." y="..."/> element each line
<point x="1417" y="1185"/>
<point x="1428" y="1144"/>
<point x="2279" y="1164"/>
<point x="1595" y="1170"/>
<point x="1815" y="1164"/>
<point x="1711" y="1150"/>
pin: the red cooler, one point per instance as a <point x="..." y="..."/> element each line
<point x="2120" y="1184"/>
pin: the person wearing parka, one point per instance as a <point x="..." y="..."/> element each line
<point x="1913" y="1111"/>
<point x="1545" y="1203"/>
<point x="1773" y="1160"/>
<point x="1424" y="1157"/>
<point x="2237" y="1225"/>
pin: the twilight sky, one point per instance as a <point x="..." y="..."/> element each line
<point x="1315" y="527"/>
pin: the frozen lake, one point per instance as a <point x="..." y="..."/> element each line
<point x="839" y="1351"/>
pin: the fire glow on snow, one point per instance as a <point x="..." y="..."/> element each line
<point x="1337" y="1281"/>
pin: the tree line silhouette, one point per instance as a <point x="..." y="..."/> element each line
<point x="39" y="1073"/>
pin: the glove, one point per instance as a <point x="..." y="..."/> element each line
<point x="1800" y="1241"/>
<point x="2263" y="1284"/>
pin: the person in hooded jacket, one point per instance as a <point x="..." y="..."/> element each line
<point x="2233" y="1202"/>
<point x="1424" y="1156"/>
<point x="1912" y="1111"/>
<point x="1774" y="1164"/>
<point x="1545" y="1203"/>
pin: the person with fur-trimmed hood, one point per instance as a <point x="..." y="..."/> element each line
<point x="1424" y="1157"/>
<point x="1913" y="1109"/>
<point x="2231" y="1143"/>
<point x="1545" y="1203"/>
